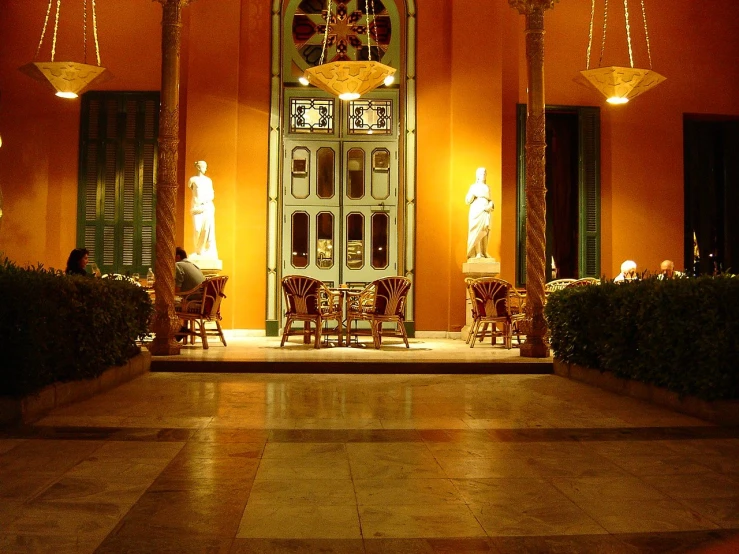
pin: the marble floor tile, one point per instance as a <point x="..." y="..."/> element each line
<point x="406" y="492"/>
<point x="429" y="546"/>
<point x="723" y="511"/>
<point x="700" y="485"/>
<point x="286" y="521"/>
<point x="302" y="492"/>
<point x="297" y="546"/>
<point x="419" y="521"/>
<point x="326" y="466"/>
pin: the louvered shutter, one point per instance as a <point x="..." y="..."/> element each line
<point x="117" y="191"/>
<point x="589" y="121"/>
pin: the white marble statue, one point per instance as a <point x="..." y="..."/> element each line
<point x="203" y="214"/>
<point x="481" y="211"/>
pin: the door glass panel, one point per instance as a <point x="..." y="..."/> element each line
<point x="325" y="174"/>
<point x="300" y="234"/>
<point x="300" y="173"/>
<point x="325" y="240"/>
<point x="380" y="231"/>
<point x="355" y="173"/>
<point x="355" y="241"/>
<point x="380" y="185"/>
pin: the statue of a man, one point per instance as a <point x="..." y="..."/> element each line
<point x="203" y="213"/>
<point x="481" y="211"/>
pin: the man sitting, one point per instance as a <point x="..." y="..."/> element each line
<point x="667" y="270"/>
<point x="628" y="272"/>
<point x="187" y="276"/>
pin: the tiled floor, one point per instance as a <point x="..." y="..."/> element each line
<point x="351" y="463"/>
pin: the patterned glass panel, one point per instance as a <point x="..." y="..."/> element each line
<point x="355" y="241"/>
<point x="300" y="173"/>
<point x="325" y="240"/>
<point x="380" y="232"/>
<point x="370" y="117"/>
<point x="355" y="173"/>
<point x="312" y="115"/>
<point x="325" y="173"/>
<point x="300" y="234"/>
<point x="380" y="177"/>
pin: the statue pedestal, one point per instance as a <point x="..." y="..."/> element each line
<point x="476" y="267"/>
<point x="207" y="265"/>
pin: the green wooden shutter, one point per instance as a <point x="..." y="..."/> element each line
<point x="117" y="182"/>
<point x="521" y="195"/>
<point x="589" y="139"/>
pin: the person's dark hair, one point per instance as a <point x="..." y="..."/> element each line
<point x="179" y="251"/>
<point x="73" y="262"/>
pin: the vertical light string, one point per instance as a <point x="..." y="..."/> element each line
<point x="43" y="31"/>
<point x="325" y="34"/>
<point x="646" y="33"/>
<point x="370" y="20"/>
<point x="95" y="31"/>
<point x="84" y="29"/>
<point x="590" y="34"/>
<point x="605" y="25"/>
<point x="56" y="28"/>
<point x="628" y="32"/>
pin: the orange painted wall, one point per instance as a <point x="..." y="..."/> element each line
<point x="471" y="72"/>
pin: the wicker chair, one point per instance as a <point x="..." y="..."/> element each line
<point x="199" y="306"/>
<point x="585" y="281"/>
<point x="492" y="301"/>
<point x="557" y="284"/>
<point x="310" y="301"/>
<point x="382" y="301"/>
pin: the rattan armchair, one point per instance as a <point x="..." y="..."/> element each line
<point x="382" y="301"/>
<point x="310" y="301"/>
<point x="200" y="306"/>
<point x="557" y="284"/>
<point x="492" y="303"/>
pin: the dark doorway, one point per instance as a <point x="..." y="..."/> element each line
<point x="711" y="157"/>
<point x="562" y="182"/>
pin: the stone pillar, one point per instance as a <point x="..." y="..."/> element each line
<point x="475" y="268"/>
<point x="535" y="346"/>
<point x="165" y="320"/>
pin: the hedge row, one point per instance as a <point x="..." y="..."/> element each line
<point x="62" y="328"/>
<point x="681" y="334"/>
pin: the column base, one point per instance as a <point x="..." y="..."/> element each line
<point x="534" y="349"/>
<point x="164" y="346"/>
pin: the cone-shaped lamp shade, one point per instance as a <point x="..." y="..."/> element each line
<point x="68" y="79"/>
<point x="621" y="84"/>
<point x="348" y="79"/>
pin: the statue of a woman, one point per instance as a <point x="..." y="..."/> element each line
<point x="203" y="214"/>
<point x="481" y="210"/>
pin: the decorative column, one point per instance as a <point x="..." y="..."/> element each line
<point x="165" y="320"/>
<point x="535" y="346"/>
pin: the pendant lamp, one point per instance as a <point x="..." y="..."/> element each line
<point x="67" y="78"/>
<point x="349" y="79"/>
<point x="617" y="83"/>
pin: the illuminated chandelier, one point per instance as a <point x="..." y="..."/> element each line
<point x="68" y="79"/>
<point x="620" y="84"/>
<point x="349" y="79"/>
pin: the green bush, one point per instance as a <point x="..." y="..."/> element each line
<point x="64" y="328"/>
<point x="681" y="334"/>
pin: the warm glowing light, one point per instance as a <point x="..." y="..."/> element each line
<point x="348" y="79"/>
<point x="61" y="94"/>
<point x="348" y="96"/>
<point x="617" y="100"/>
<point x="303" y="81"/>
<point x="389" y="80"/>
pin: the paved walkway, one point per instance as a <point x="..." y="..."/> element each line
<point x="350" y="463"/>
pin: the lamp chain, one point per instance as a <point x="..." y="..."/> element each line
<point x="43" y="31"/>
<point x="605" y="25"/>
<point x="95" y="31"/>
<point x="628" y="31"/>
<point x="646" y="32"/>
<point x="325" y="34"/>
<point x="56" y="27"/>
<point x="84" y="29"/>
<point x="370" y="5"/>
<point x="590" y="34"/>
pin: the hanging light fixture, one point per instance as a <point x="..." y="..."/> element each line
<point x="620" y="84"/>
<point x="345" y="78"/>
<point x="68" y="79"/>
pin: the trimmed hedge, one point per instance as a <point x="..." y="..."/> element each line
<point x="55" y="327"/>
<point x="681" y="334"/>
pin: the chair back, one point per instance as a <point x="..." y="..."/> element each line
<point x="557" y="284"/>
<point x="302" y="295"/>
<point x="489" y="297"/>
<point x="213" y="295"/>
<point x="584" y="282"/>
<point x="390" y="295"/>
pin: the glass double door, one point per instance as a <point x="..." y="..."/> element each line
<point x="339" y="210"/>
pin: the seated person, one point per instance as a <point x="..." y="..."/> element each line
<point x="187" y="275"/>
<point x="77" y="262"/>
<point x="667" y="270"/>
<point x="628" y="272"/>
